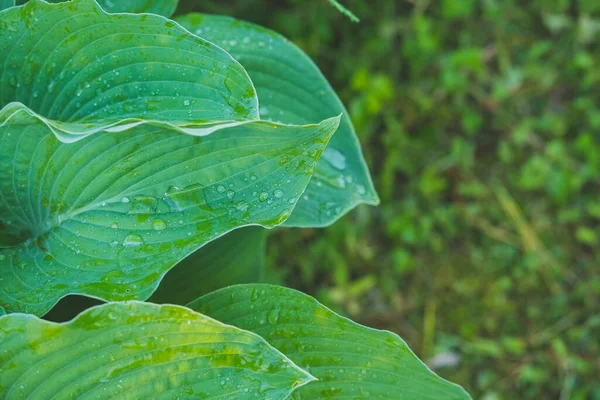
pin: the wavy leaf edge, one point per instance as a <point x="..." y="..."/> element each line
<point x="305" y="375"/>
<point x="313" y="301"/>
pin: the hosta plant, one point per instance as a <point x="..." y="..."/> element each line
<point x="142" y="158"/>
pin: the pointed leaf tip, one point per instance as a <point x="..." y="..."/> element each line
<point x="350" y="360"/>
<point x="140" y="350"/>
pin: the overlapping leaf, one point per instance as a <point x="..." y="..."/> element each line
<point x="238" y="257"/>
<point x="137" y="188"/>
<point x="108" y="215"/>
<point x="138" y="351"/>
<point x="235" y="258"/>
<point x="350" y="361"/>
<point x="73" y="63"/>
<point x="291" y="89"/>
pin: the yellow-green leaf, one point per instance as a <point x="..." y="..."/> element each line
<point x="139" y="351"/>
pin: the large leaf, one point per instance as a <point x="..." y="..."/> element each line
<point x="73" y="63"/>
<point x="139" y="351"/>
<point x="139" y="190"/>
<point x="291" y="89"/>
<point x="108" y="215"/>
<point x="161" y="7"/>
<point x="350" y="360"/>
<point x="235" y="258"/>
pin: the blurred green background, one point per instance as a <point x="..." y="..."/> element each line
<point x="480" y="121"/>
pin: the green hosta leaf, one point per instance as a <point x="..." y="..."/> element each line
<point x="350" y="360"/>
<point x="138" y="189"/>
<point x="73" y="63"/>
<point x="139" y="351"/>
<point x="237" y="257"/>
<point x="161" y="7"/>
<point x="6" y="4"/>
<point x="291" y="89"/>
<point x="108" y="215"/>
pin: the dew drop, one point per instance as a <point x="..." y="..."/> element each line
<point x="273" y="316"/>
<point x="230" y="194"/>
<point x="159" y="224"/>
<point x="133" y="241"/>
<point x="334" y="158"/>
<point x="278" y="193"/>
<point x="242" y="206"/>
<point x="263" y="196"/>
<point x="220" y="188"/>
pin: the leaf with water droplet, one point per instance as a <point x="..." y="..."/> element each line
<point x="348" y="359"/>
<point x="139" y="351"/>
<point x="267" y="56"/>
<point x="87" y="177"/>
<point x="181" y="195"/>
<point x="144" y="56"/>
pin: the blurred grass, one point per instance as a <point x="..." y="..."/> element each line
<point x="480" y="121"/>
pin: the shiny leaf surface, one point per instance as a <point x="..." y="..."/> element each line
<point x="108" y="215"/>
<point x="291" y="89"/>
<point x="73" y="63"/>
<point x="127" y="143"/>
<point x="349" y="360"/>
<point x="139" y="350"/>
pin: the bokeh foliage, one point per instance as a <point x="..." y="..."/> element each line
<point x="480" y="121"/>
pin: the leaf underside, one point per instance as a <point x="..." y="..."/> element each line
<point x="237" y="257"/>
<point x="349" y="360"/>
<point x="139" y="350"/>
<point x="291" y="89"/>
